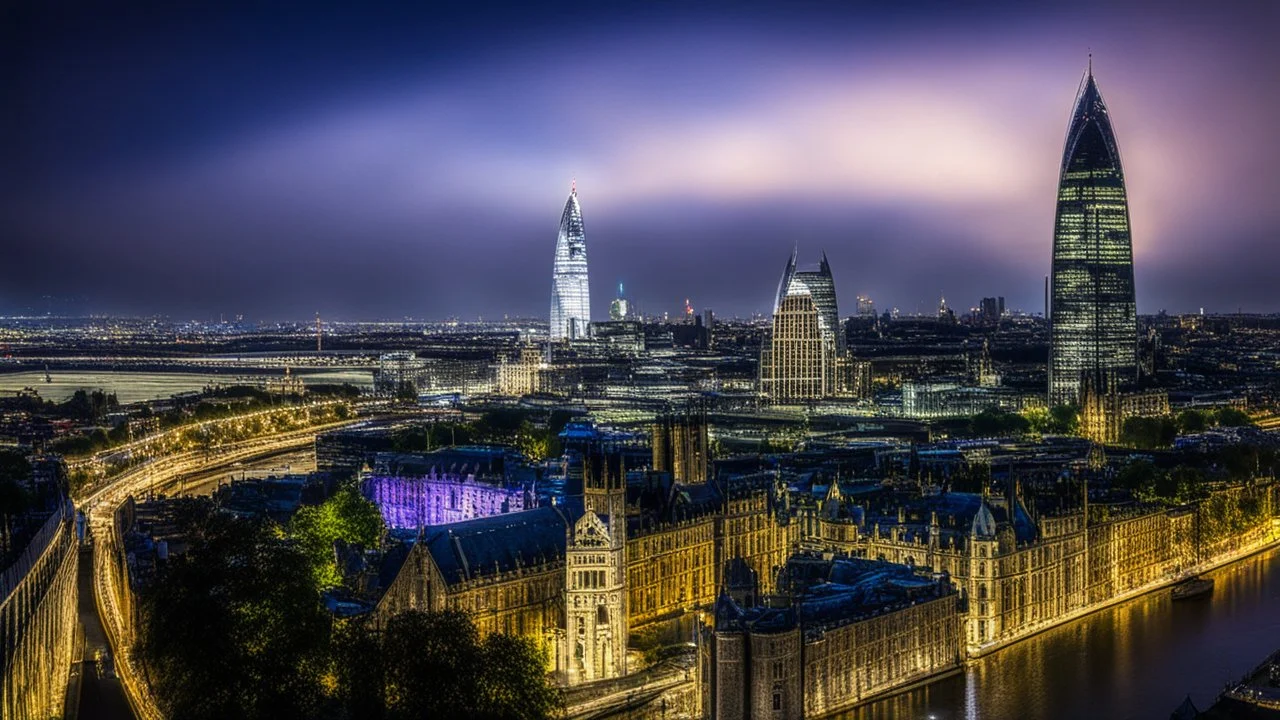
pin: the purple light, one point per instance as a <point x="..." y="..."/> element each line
<point x="440" y="498"/>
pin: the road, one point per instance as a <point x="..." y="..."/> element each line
<point x="160" y="475"/>
<point x="100" y="698"/>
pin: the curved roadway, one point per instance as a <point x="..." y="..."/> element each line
<point x="157" y="475"/>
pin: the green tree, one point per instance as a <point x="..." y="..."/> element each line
<point x="1064" y="420"/>
<point x="436" y="665"/>
<point x="1231" y="417"/>
<point x="1182" y="484"/>
<point x="1192" y="421"/>
<point x="535" y="444"/>
<point x="1038" y="420"/>
<point x="406" y="390"/>
<point x="1148" y="433"/>
<point x="996" y="422"/>
<point x="347" y="516"/>
<point x="1240" y="462"/>
<point x="233" y="627"/>
<point x="1139" y="477"/>
<point x="15" y="472"/>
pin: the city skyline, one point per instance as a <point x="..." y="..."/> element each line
<point x="293" y="426"/>
<point x="918" y="156"/>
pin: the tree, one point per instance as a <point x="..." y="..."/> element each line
<point x="234" y="627"/>
<point x="436" y="665"/>
<point x="1180" y="485"/>
<point x="347" y="516"/>
<point x="1138" y="477"/>
<point x="15" y="472"/>
<point x="1064" y="420"/>
<point x="1231" y="417"/>
<point x="994" y="421"/>
<point x="1038" y="420"/>
<point x="1148" y="433"/>
<point x="1192" y="421"/>
<point x="406" y="390"/>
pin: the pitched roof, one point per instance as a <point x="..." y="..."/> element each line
<point x="501" y="543"/>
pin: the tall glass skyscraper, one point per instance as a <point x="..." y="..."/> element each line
<point x="570" y="294"/>
<point x="821" y="286"/>
<point x="1093" y="316"/>
<point x="804" y="359"/>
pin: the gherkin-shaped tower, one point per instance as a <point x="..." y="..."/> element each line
<point x="570" y="294"/>
<point x="1093" y="316"/>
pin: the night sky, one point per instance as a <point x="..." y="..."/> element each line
<point x="414" y="162"/>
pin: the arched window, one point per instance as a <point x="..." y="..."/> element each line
<point x="602" y="615"/>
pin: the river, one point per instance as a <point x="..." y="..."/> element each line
<point x="131" y="387"/>
<point x="1134" y="660"/>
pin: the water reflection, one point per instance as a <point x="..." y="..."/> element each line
<point x="1135" y="660"/>
<point x="141" y="386"/>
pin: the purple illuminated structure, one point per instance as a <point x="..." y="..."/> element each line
<point x="440" y="498"/>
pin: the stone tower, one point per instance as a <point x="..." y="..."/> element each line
<point x="595" y="573"/>
<point x="983" y="601"/>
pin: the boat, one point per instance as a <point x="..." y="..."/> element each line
<point x="1192" y="588"/>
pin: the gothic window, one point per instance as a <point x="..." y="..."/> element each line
<point x="602" y="615"/>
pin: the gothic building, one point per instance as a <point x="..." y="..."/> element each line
<point x="680" y="443"/>
<point x="595" y="627"/>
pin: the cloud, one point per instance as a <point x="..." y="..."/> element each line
<point x="946" y="146"/>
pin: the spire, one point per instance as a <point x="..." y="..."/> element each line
<point x="1090" y="63"/>
<point x="785" y="282"/>
<point x="573" y="186"/>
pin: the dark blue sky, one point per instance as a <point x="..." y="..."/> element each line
<point x="413" y="161"/>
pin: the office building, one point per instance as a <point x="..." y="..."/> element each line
<point x="1093" y="316"/>
<point x="570" y="294"/>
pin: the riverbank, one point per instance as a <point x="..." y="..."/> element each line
<point x="1267" y="542"/>
<point x="1135" y="659"/>
<point x="1257" y="695"/>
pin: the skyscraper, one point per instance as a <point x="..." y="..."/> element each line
<point x="570" y="294"/>
<point x="804" y="357"/>
<point x="818" y="284"/>
<point x="1093" y="314"/>
<point x="619" y="308"/>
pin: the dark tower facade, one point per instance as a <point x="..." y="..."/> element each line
<point x="680" y="443"/>
<point x="1093" y="314"/>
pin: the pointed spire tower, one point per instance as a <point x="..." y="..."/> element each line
<point x="570" y="293"/>
<point x="1093" y="314"/>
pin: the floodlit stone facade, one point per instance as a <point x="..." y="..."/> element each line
<point x="863" y="628"/>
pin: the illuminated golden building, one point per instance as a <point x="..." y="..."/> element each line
<point x="1103" y="408"/>
<point x="522" y="374"/>
<point x="804" y="358"/>
<point x="671" y="569"/>
<point x="796" y="364"/>
<point x="551" y="571"/>
<point x="863" y="629"/>
<point x="1018" y="582"/>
